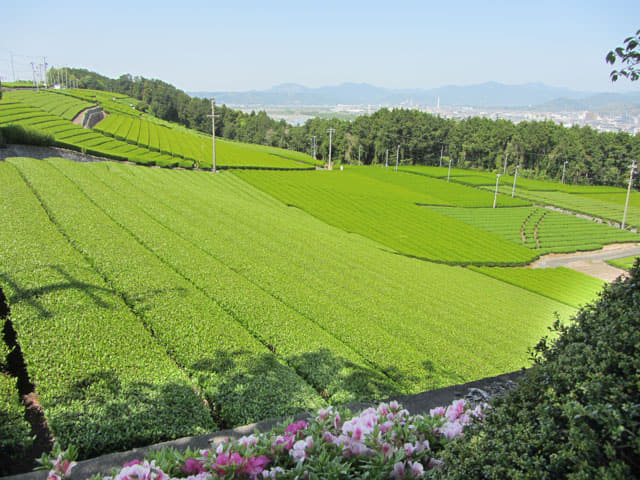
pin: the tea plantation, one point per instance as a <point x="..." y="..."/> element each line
<point x="153" y="303"/>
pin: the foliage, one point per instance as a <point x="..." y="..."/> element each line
<point x="25" y="136"/>
<point x="383" y="442"/>
<point x="629" y="53"/>
<point x="576" y="414"/>
<point x="14" y="430"/>
<point x="541" y="148"/>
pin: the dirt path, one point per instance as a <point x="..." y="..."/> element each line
<point x="591" y="263"/>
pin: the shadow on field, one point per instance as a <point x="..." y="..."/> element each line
<point x="31" y="295"/>
<point x="103" y="412"/>
<point x="243" y="387"/>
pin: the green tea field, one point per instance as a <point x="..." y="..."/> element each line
<point x="129" y="135"/>
<point x="145" y="304"/>
<point x="197" y="289"/>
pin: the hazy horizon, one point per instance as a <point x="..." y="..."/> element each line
<point x="251" y="45"/>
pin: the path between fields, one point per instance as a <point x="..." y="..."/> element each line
<point x="591" y="263"/>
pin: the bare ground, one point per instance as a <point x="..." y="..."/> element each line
<point x="592" y="263"/>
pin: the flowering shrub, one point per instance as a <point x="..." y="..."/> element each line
<point x="383" y="442"/>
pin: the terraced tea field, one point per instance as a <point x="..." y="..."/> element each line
<point x="186" y="286"/>
<point x="126" y="134"/>
<point x="540" y="229"/>
<point x="387" y="209"/>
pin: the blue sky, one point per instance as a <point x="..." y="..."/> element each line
<point x="246" y="44"/>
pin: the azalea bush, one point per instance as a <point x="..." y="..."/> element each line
<point x="382" y="442"/>
<point x="576" y="413"/>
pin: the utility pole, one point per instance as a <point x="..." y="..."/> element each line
<point x="13" y="70"/>
<point x="331" y="132"/>
<point x="564" y="168"/>
<point x="633" y="167"/>
<point x="313" y="142"/>
<point x="515" y="177"/>
<point x="44" y="65"/>
<point x="33" y="73"/>
<point x="505" y="163"/>
<point x="359" y="150"/>
<point x="213" y="134"/>
<point x="397" y="157"/>
<point x="495" y="196"/>
<point x="441" y="152"/>
<point x="386" y="158"/>
<point x="449" y="172"/>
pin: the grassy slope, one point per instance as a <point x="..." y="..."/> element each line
<point x="393" y="311"/>
<point x="385" y="210"/>
<point x="561" y="284"/>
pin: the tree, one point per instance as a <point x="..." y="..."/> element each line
<point x="629" y="53"/>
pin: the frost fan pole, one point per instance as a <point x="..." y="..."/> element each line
<point x="331" y="131"/>
<point x="213" y="133"/>
<point x="515" y="177"/>
<point x="564" y="169"/>
<point x="634" y="165"/>
<point x="495" y="196"/>
<point x="397" y="157"/>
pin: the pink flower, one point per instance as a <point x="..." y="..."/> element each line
<point x="236" y="459"/>
<point x="451" y="430"/>
<point x="323" y="413"/>
<point x="286" y="441"/>
<point x="455" y="410"/>
<point x="193" y="466"/>
<point x="398" y="470"/>
<point x="256" y="465"/>
<point x="53" y="476"/>
<point x="296" y="427"/>
<point x="248" y="441"/>
<point x="330" y="438"/>
<point x="132" y="462"/>
<point x="386" y="426"/>
<point x="299" y="451"/>
<point x="63" y="467"/>
<point x="417" y="470"/>
<point x="386" y="449"/>
<point x="409" y="449"/>
<point x="439" y="411"/>
<point x="393" y="405"/>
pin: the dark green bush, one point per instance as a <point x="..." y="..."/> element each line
<point x="26" y="136"/>
<point x="577" y="412"/>
<point x="14" y="430"/>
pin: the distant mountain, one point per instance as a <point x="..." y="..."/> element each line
<point x="489" y="94"/>
<point x="596" y="102"/>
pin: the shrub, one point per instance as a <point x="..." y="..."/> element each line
<point x="14" y="430"/>
<point x="577" y="413"/>
<point x="26" y="136"/>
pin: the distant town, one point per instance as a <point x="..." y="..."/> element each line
<point x="614" y="122"/>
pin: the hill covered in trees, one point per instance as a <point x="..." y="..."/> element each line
<point x="541" y="148"/>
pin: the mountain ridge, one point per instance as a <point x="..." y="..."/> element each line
<point x="486" y="94"/>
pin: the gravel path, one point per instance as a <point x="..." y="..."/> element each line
<point x="591" y="263"/>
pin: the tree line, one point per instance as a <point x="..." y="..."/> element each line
<point x="540" y="148"/>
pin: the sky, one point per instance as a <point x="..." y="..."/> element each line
<point x="250" y="44"/>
